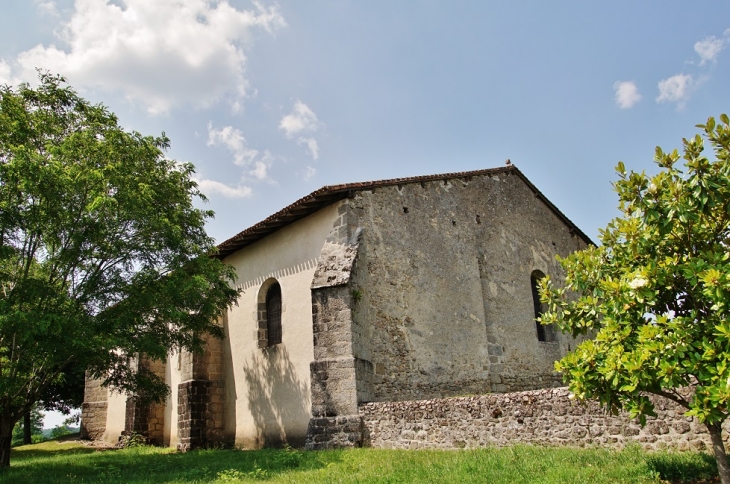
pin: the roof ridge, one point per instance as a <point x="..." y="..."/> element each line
<point x="331" y="193"/>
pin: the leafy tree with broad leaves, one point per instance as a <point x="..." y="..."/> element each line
<point x="31" y="426"/>
<point x="103" y="256"/>
<point x="656" y="292"/>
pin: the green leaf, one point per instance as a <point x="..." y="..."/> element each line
<point x="657" y="289"/>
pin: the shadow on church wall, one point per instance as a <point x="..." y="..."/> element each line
<point x="277" y="399"/>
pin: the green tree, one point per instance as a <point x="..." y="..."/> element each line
<point x="102" y="254"/>
<point x="26" y="429"/>
<point x="656" y="293"/>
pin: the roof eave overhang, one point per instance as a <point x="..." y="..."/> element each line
<point x="330" y="194"/>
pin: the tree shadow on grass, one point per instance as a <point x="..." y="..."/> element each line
<point x="682" y="467"/>
<point x="50" y="449"/>
<point x="150" y="464"/>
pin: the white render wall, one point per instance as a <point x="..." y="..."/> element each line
<point x="173" y="377"/>
<point x="267" y="391"/>
<point x="115" y="415"/>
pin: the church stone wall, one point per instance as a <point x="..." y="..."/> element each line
<point x="540" y="417"/>
<point x="441" y="286"/>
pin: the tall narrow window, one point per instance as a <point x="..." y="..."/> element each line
<point x="543" y="334"/>
<point x="273" y="314"/>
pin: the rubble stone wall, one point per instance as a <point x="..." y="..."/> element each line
<point x="541" y="417"/>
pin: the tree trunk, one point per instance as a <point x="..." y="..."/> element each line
<point x="719" y="448"/>
<point x="6" y="438"/>
<point x="27" y="429"/>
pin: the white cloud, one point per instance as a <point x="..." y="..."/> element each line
<point x="232" y="139"/>
<point x="5" y="75"/>
<point x="311" y="145"/>
<point x="261" y="166"/>
<point x="212" y="186"/>
<point x="675" y="89"/>
<point x="47" y="7"/>
<point x="709" y="48"/>
<point x="161" y="53"/>
<point x="627" y="94"/>
<point x="300" y="119"/>
<point x="309" y="173"/>
<point x="259" y="170"/>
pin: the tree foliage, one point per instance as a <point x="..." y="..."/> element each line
<point x="656" y="292"/>
<point x="103" y="255"/>
<point x="36" y="428"/>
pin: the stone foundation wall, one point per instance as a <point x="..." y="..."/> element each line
<point x="543" y="417"/>
<point x="334" y="432"/>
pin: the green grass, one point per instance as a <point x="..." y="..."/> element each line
<point x="59" y="462"/>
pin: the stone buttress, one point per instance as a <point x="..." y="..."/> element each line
<point x="146" y="418"/>
<point x="335" y="421"/>
<point x="94" y="409"/>
<point x="200" y="398"/>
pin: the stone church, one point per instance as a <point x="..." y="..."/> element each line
<point x="392" y="290"/>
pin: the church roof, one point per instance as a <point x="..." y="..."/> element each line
<point x="329" y="194"/>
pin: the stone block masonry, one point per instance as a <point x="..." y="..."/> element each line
<point x="200" y="398"/>
<point x="334" y="432"/>
<point x="195" y="414"/>
<point x="93" y="420"/>
<point x="93" y="410"/>
<point x="541" y="417"/>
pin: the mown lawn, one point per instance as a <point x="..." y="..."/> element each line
<point x="59" y="462"/>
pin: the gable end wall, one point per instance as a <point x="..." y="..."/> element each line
<point x="442" y="277"/>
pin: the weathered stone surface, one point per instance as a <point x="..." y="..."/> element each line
<point x="93" y="410"/>
<point x="335" y="263"/>
<point x="333" y="371"/>
<point x="334" y="432"/>
<point x="201" y="413"/>
<point x="93" y="420"/>
<point x="443" y="278"/>
<point x="544" y="417"/>
<point x="143" y="417"/>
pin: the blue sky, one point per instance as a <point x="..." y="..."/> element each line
<point x="271" y="101"/>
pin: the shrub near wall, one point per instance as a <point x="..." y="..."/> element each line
<point x="544" y="417"/>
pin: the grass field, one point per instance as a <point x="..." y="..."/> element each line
<point x="71" y="462"/>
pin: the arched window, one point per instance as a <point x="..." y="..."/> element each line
<point x="544" y="333"/>
<point x="273" y="314"/>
